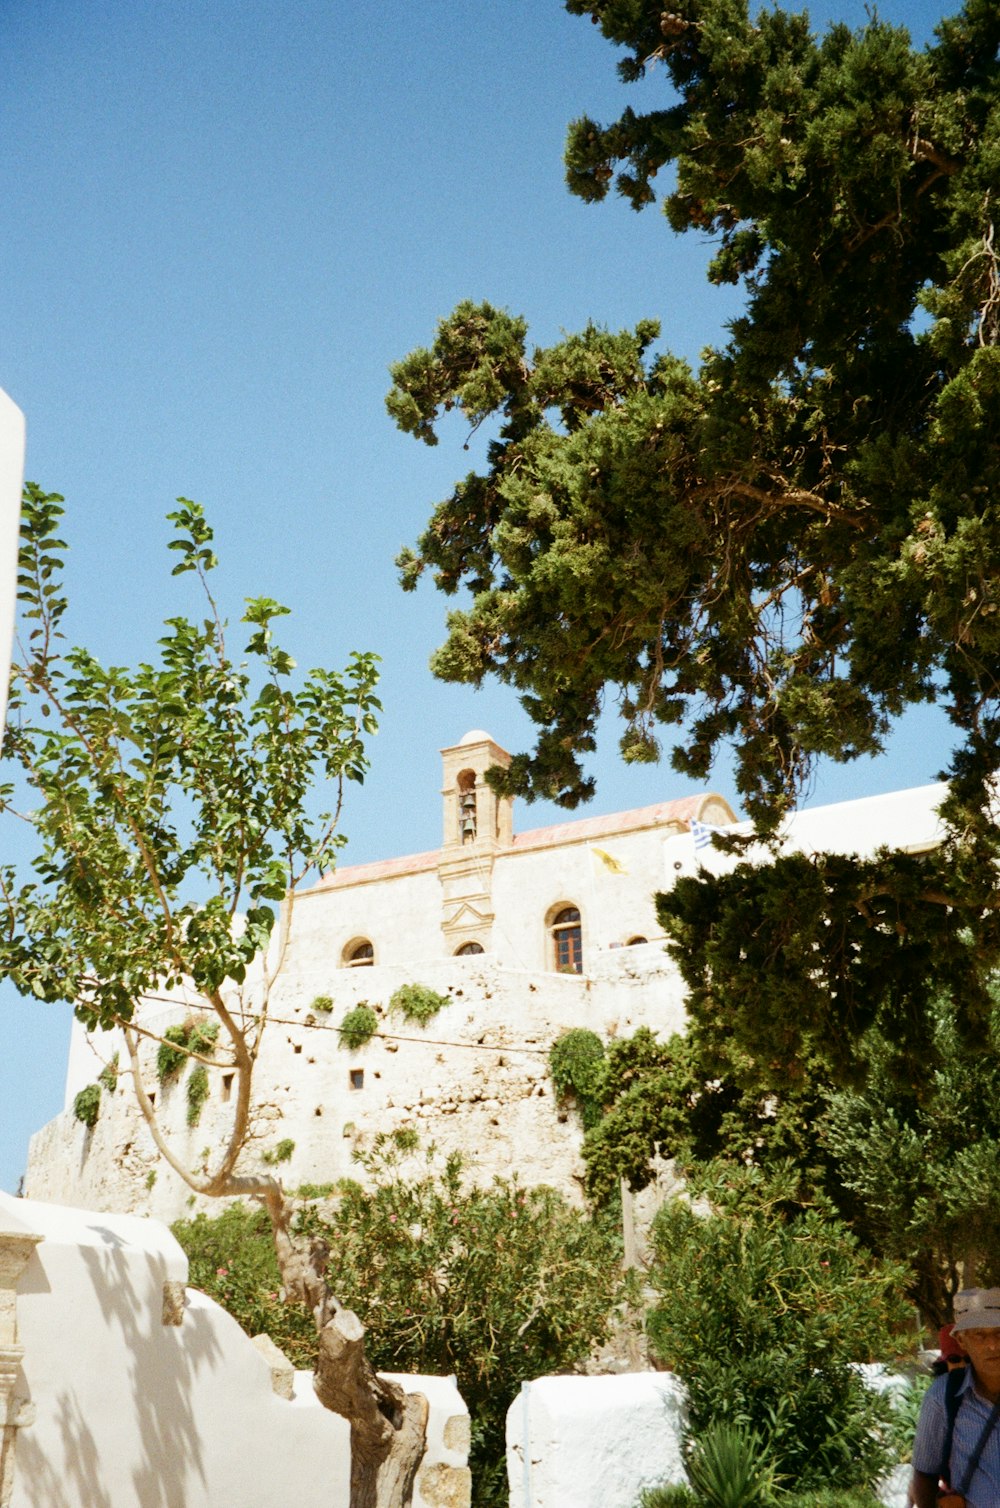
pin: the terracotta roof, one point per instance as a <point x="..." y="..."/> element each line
<point x="663" y="814"/>
<point x="582" y="830"/>
<point x="381" y="869"/>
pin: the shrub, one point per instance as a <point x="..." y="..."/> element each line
<point x="322" y="1005"/>
<point x="87" y="1105"/>
<point x="576" y="1063"/>
<point x="729" y="1467"/>
<point x="763" y="1312"/>
<point x="280" y="1153"/>
<point x="905" y="1412"/>
<point x="231" y="1258"/>
<point x="675" y="1496"/>
<point x="358" y="1026"/>
<point x="494" y="1284"/>
<point x="417" y="1002"/>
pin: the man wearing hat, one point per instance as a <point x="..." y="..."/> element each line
<point x="958" y="1434"/>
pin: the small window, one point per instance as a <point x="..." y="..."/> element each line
<point x="227" y="1086"/>
<point x="357" y="1078"/>
<point x="636" y="942"/>
<point x="468" y="949"/>
<point x="567" y="939"/>
<point x="359" y="954"/>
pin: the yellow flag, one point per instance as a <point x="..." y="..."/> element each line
<point x="609" y="861"/>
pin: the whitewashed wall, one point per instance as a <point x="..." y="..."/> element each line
<point x="593" y="1442"/>
<point x="132" y="1412"/>
<point x="598" y="1442"/>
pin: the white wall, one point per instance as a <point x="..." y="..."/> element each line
<point x="135" y="1413"/>
<point x="593" y="1442"/>
<point x="598" y="1442"/>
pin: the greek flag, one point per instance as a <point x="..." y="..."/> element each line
<point x="701" y="832"/>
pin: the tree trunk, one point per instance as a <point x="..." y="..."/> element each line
<point x="388" y="1426"/>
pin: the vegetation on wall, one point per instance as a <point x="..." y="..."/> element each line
<point x="417" y="1002"/>
<point x="108" y="1076"/>
<point x="358" y="1026"/>
<point x="87" y="1105"/>
<point x="195" y="1037"/>
<point x="280" y="1152"/>
<point x="576" y="1063"/>
<point x="322" y="1005"/>
<point x="196" y="1092"/>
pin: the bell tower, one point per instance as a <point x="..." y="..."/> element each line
<point x="477" y="824"/>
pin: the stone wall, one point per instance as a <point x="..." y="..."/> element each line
<point x="474" y="1079"/>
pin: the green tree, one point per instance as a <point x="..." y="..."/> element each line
<point x="912" y="1165"/>
<point x="173" y="811"/>
<point x="917" y="1165"/>
<point x="787" y="547"/>
<point x="674" y="1099"/>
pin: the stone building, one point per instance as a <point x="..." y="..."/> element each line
<point x="524" y="935"/>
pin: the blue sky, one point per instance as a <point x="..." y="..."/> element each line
<point x="222" y="220"/>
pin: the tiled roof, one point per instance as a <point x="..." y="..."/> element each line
<point x="381" y="869"/>
<point x="582" y="830"/>
<point x="663" y="814"/>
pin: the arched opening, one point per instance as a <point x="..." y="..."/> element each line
<point x="468" y="949"/>
<point x="359" y="954"/>
<point x="567" y="940"/>
<point x="467" y="812"/>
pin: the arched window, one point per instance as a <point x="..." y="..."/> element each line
<point x="567" y="941"/>
<point x="635" y="942"/>
<point x="359" y="954"/>
<point x="468" y="949"/>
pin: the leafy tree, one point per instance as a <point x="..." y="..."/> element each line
<point x="174" y="811"/>
<point x="673" y="1099"/>
<point x="787" y="547"/>
<point x="911" y="1165"/>
<point x="492" y="1284"/>
<point x="918" y="1165"/>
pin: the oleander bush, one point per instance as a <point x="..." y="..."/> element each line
<point x="492" y="1284"/>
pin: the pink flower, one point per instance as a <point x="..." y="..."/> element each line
<point x="222" y="1272"/>
<point x="392" y="1219"/>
